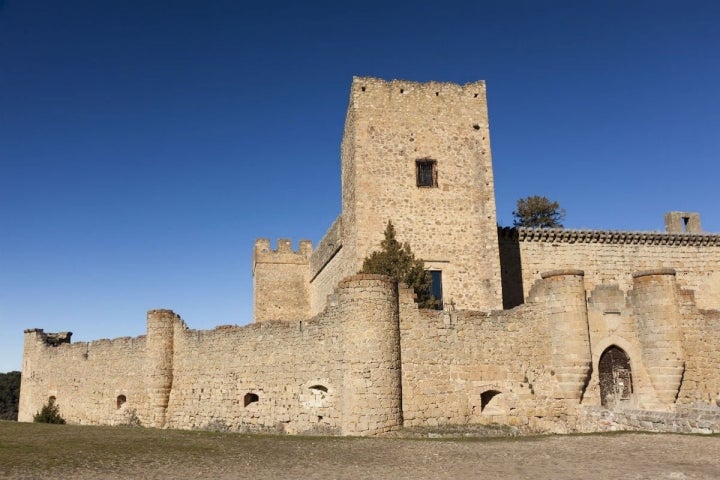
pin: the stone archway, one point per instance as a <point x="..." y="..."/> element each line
<point x="615" y="377"/>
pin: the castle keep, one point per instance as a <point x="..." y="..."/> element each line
<point x="552" y="330"/>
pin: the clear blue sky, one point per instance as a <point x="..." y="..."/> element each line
<point x="144" y="145"/>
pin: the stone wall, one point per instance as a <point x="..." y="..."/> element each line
<point x="278" y="376"/>
<point x="534" y="366"/>
<point x="85" y="379"/>
<point x="327" y="279"/>
<point x="703" y="420"/>
<point x="609" y="257"/>
<point x="669" y="341"/>
<point x="328" y="265"/>
<point x="372" y="361"/>
<point x="508" y="367"/>
<point x="338" y="372"/>
<point x="327" y="248"/>
<point x="701" y="337"/>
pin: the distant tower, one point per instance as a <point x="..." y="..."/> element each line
<point x="418" y="154"/>
<point x="280" y="281"/>
<point x="682" y="222"/>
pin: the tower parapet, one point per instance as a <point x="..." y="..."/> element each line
<point x="284" y="253"/>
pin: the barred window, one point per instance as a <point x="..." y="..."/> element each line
<point x="426" y="173"/>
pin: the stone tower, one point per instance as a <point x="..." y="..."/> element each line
<point x="418" y="154"/>
<point x="280" y="280"/>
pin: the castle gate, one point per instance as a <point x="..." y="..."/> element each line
<point x="615" y="377"/>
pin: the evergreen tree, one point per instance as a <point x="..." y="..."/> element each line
<point x="50" y="413"/>
<point x="538" y="212"/>
<point x="398" y="261"/>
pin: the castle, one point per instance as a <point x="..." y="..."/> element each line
<point x="552" y="330"/>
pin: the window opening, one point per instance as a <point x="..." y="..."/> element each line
<point x="121" y="399"/>
<point x="319" y="392"/>
<point x="436" y="287"/>
<point x="685" y="221"/>
<point x="485" y="398"/>
<point x="426" y="173"/>
<point x="250" y="398"/>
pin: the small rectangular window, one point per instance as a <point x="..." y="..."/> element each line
<point x="436" y="287"/>
<point x="426" y="173"/>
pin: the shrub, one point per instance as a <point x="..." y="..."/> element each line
<point x="131" y="418"/>
<point x="50" y="413"/>
<point x="397" y="260"/>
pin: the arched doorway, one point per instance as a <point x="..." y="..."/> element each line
<point x="615" y="377"/>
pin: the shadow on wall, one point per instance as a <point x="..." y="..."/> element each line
<point x="510" y="268"/>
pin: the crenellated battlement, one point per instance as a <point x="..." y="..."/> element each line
<point x="284" y="253"/>
<point x="368" y="92"/>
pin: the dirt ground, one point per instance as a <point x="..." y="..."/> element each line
<point x="30" y="451"/>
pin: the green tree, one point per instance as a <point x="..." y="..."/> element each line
<point x="9" y="395"/>
<point x="50" y="413"/>
<point x="398" y="261"/>
<point x="538" y="212"/>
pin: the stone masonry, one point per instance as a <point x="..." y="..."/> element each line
<point x="551" y="330"/>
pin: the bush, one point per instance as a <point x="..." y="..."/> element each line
<point x="132" y="419"/>
<point x="50" y="413"/>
